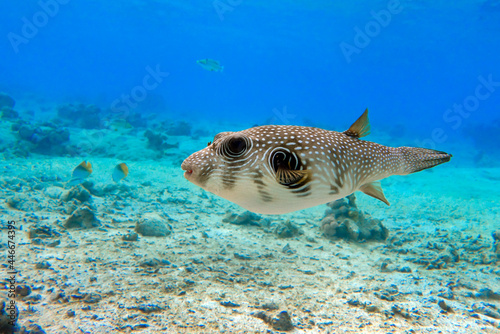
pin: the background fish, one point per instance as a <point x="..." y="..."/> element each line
<point x="120" y="125"/>
<point x="83" y="170"/>
<point x="120" y="172"/>
<point x="210" y="65"/>
<point x="276" y="169"/>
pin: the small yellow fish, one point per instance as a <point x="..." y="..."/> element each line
<point x="210" y="65"/>
<point x="83" y="170"/>
<point x="120" y="125"/>
<point x="120" y="172"/>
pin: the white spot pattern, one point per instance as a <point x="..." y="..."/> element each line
<point x="335" y="160"/>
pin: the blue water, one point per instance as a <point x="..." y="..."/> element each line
<point x="421" y="60"/>
<point x="427" y="70"/>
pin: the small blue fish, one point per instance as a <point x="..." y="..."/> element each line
<point x="120" y="172"/>
<point x="210" y="65"/>
<point x="82" y="171"/>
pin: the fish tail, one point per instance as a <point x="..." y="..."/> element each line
<point x="415" y="159"/>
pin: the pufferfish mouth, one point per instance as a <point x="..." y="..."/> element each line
<point x="188" y="170"/>
<point x="188" y="173"/>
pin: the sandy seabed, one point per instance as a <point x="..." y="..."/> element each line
<point x="436" y="273"/>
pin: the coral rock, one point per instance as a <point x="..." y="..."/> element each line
<point x="246" y="218"/>
<point x="6" y="101"/>
<point x="9" y="113"/>
<point x="83" y="116"/>
<point x="158" y="142"/>
<point x="78" y="192"/>
<point x="287" y="229"/>
<point x="82" y="218"/>
<point x="345" y="220"/>
<point x="153" y="225"/>
<point x="283" y="322"/>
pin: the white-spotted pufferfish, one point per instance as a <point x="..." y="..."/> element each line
<point x="275" y="169"/>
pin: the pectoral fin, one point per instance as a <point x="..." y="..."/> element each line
<point x="374" y="189"/>
<point x="287" y="177"/>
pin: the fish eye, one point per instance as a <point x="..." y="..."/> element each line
<point x="284" y="158"/>
<point x="236" y="145"/>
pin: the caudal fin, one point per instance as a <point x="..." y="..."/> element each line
<point x="417" y="159"/>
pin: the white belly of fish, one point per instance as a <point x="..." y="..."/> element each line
<point x="281" y="200"/>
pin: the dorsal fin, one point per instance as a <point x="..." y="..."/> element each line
<point x="374" y="189"/>
<point x="360" y="128"/>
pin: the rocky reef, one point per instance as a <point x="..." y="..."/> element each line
<point x="7" y="104"/>
<point x="78" y="129"/>
<point x="344" y="220"/>
<point x="79" y="115"/>
<point x="46" y="138"/>
<point x="82" y="217"/>
<point x="158" y="142"/>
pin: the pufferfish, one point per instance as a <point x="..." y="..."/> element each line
<point x="276" y="169"/>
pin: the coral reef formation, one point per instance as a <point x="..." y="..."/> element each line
<point x="78" y="192"/>
<point x="78" y="129"/>
<point x="83" y="217"/>
<point x="6" y="101"/>
<point x="158" y="141"/>
<point x="7" y="104"/>
<point x="287" y="229"/>
<point x="344" y="220"/>
<point x="79" y="115"/>
<point x="47" y="139"/>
